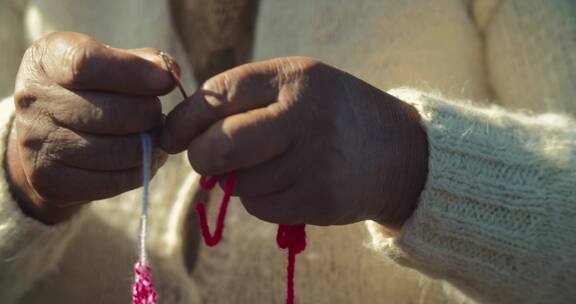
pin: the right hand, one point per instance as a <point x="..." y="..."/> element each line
<point x="79" y="108"/>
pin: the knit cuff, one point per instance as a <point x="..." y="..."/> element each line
<point x="28" y="248"/>
<point x="497" y="215"/>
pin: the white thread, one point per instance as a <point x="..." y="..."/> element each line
<point x="146" y="164"/>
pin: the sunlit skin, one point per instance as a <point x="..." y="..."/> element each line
<point x="310" y="143"/>
<point x="79" y="108"/>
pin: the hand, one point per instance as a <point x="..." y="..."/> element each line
<point x="310" y="144"/>
<point x="79" y="108"/>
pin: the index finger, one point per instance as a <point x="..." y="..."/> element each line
<point x="77" y="61"/>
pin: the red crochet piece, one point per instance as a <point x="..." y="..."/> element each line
<point x="291" y="237"/>
<point x="143" y="289"/>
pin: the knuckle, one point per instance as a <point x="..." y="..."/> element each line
<point x="35" y="50"/>
<point x="30" y="142"/>
<point x="79" y="59"/>
<point x="292" y="69"/>
<point x="31" y="68"/>
<point x="41" y="179"/>
<point x="60" y="51"/>
<point x="34" y="55"/>
<point x="42" y="149"/>
<point x="36" y="135"/>
<point x="307" y="64"/>
<point x="24" y="99"/>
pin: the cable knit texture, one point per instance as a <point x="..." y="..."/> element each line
<point x="498" y="208"/>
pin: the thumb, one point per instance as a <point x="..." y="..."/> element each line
<point x="238" y="90"/>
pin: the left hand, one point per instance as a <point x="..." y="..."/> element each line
<point x="311" y="144"/>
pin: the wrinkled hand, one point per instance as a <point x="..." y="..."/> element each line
<point x="311" y="144"/>
<point x="79" y="108"/>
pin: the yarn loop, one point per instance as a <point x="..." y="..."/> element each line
<point x="291" y="237"/>
<point x="206" y="185"/>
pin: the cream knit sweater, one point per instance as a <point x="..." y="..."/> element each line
<point x="496" y="220"/>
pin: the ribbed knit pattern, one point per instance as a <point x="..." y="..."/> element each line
<point x="498" y="207"/>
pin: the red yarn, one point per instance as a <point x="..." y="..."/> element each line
<point x="291" y="237"/>
<point x="207" y="183"/>
<point x="288" y="237"/>
<point x="209" y="239"/>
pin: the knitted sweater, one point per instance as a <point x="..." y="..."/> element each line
<point x="497" y="216"/>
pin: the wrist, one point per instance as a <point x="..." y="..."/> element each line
<point x="405" y="194"/>
<point x="27" y="199"/>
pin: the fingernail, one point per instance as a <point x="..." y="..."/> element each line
<point x="170" y="64"/>
<point x="211" y="99"/>
<point x="158" y="76"/>
<point x="150" y="55"/>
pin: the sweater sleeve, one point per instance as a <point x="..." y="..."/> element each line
<point x="28" y="248"/>
<point x="497" y="217"/>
